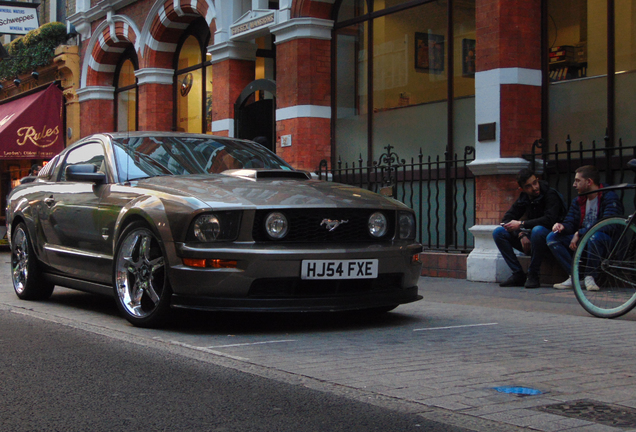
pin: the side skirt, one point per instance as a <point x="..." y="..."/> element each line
<point x="90" y="287"/>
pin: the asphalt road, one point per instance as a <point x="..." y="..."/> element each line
<point x="55" y="377"/>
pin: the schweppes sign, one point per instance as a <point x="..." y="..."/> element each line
<point x="31" y="127"/>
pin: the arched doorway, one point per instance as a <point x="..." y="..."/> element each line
<point x="254" y="112"/>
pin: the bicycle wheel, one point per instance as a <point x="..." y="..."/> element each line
<point x="614" y="291"/>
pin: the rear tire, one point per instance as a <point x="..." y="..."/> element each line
<point x="615" y="278"/>
<point x="28" y="281"/>
<point x="140" y="279"/>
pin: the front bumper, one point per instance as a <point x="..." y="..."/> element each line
<point x="268" y="278"/>
<point x="317" y="304"/>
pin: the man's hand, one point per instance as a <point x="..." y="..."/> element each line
<point x="513" y="225"/>
<point x="557" y="228"/>
<point x="526" y="245"/>
<point x="575" y="241"/>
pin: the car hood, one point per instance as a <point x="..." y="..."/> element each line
<point x="225" y="191"/>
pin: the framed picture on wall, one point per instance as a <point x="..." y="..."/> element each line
<point x="468" y="58"/>
<point x="429" y="53"/>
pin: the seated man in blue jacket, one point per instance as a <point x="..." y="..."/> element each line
<point x="584" y="212"/>
<point x="540" y="206"/>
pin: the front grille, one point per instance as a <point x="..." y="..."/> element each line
<point x="304" y="225"/>
<point x="298" y="288"/>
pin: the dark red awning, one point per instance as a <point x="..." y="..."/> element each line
<point x="31" y="127"/>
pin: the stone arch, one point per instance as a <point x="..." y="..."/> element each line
<point x="166" y="22"/>
<point x="311" y="8"/>
<point x="109" y="40"/>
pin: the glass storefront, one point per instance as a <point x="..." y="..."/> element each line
<point x="581" y="37"/>
<point x="392" y="78"/>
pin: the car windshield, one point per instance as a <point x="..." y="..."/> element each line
<point x="141" y="157"/>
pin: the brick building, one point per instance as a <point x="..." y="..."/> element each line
<point x="342" y="79"/>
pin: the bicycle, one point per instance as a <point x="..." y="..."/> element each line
<point x="608" y="253"/>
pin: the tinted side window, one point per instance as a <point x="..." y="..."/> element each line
<point x="92" y="153"/>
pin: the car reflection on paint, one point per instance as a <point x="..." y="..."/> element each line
<point x="161" y="220"/>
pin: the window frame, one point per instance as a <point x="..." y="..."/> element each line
<point x="369" y="18"/>
<point x="201" y="32"/>
<point x="129" y="54"/>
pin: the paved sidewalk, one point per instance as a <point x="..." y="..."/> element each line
<point x="441" y="357"/>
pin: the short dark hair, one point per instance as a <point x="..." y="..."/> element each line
<point x="523" y="176"/>
<point x="590" y="172"/>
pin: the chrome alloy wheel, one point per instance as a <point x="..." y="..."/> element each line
<point x="20" y="260"/>
<point x="140" y="273"/>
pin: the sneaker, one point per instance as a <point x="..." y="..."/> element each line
<point x="516" y="280"/>
<point x="590" y="284"/>
<point x="565" y="284"/>
<point x="532" y="281"/>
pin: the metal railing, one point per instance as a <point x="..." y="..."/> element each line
<point x="442" y="192"/>
<point x="558" y="166"/>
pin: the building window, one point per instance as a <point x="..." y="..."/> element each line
<point x="126" y="93"/>
<point x="193" y="81"/>
<point x="392" y="77"/>
<point x="591" y="70"/>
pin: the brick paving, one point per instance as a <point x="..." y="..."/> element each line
<point x="444" y="353"/>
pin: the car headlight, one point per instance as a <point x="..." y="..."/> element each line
<point x="407" y="225"/>
<point x="215" y="227"/>
<point x="377" y="224"/>
<point x="207" y="228"/>
<point x="276" y="225"/>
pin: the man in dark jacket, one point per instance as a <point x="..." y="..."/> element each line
<point x="583" y="213"/>
<point x="540" y="206"/>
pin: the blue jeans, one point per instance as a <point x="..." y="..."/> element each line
<point x="506" y="243"/>
<point x="559" y="244"/>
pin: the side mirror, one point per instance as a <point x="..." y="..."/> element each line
<point x="85" y="173"/>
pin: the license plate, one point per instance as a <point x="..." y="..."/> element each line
<point x="339" y="269"/>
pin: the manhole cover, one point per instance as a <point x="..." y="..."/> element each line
<point x="594" y="411"/>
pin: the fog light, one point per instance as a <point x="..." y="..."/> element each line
<point x="377" y="224"/>
<point x="276" y="225"/>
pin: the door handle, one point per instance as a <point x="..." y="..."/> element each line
<point x="49" y="201"/>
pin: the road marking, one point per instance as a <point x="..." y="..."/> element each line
<point x="251" y="343"/>
<point x="452" y="327"/>
<point x="207" y="350"/>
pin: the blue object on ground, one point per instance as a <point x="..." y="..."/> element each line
<point x="525" y="391"/>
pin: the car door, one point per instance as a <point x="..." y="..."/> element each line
<point x="74" y="243"/>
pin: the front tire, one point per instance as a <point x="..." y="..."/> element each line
<point x="615" y="277"/>
<point x="28" y="282"/>
<point x="140" y="279"/>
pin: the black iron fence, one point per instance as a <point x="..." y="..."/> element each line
<point x="442" y="192"/>
<point x="559" y="165"/>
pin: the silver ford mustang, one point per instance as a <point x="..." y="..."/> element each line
<point x="162" y="220"/>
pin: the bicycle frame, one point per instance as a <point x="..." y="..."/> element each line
<point x="630" y="219"/>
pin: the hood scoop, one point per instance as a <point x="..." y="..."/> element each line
<point x="251" y="174"/>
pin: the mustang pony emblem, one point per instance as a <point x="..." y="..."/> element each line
<point x="332" y="224"/>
